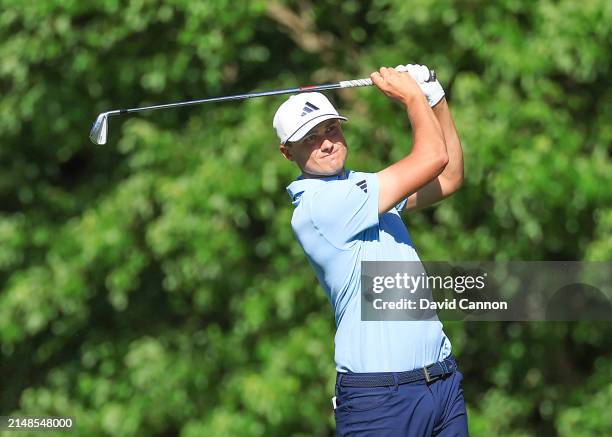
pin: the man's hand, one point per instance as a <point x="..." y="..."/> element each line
<point x="433" y="90"/>
<point x="399" y="86"/>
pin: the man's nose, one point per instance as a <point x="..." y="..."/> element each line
<point x="327" y="146"/>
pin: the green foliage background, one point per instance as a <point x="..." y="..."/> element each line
<point x="153" y="286"/>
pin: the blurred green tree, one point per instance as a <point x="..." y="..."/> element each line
<point x="153" y="286"/>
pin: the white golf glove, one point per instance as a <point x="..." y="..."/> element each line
<point x="420" y="73"/>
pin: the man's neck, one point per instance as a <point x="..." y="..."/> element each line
<point x="342" y="174"/>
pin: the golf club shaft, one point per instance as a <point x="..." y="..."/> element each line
<point x="311" y="88"/>
<point x="99" y="130"/>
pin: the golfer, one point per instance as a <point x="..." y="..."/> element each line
<point x="394" y="378"/>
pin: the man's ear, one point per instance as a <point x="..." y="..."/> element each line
<point x="286" y="151"/>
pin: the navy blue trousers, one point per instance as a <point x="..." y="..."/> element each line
<point x="416" y="409"/>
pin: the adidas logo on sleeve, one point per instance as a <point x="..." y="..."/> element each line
<point x="363" y="185"/>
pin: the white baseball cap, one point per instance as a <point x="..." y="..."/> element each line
<point x="300" y="113"/>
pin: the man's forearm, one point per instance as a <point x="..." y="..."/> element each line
<point x="428" y="157"/>
<point x="428" y="136"/>
<point x="454" y="169"/>
<point x="425" y="162"/>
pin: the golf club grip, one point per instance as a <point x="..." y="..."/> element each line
<point x="368" y="81"/>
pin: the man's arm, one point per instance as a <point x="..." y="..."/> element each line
<point x="428" y="157"/>
<point x="451" y="179"/>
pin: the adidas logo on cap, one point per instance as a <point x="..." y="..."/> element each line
<point x="308" y="108"/>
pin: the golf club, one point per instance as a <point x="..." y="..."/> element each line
<point x="99" y="129"/>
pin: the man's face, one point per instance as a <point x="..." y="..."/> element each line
<point x="322" y="152"/>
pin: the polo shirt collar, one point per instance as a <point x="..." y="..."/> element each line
<point x="297" y="187"/>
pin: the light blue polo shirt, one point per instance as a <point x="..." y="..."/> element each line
<point x="336" y="222"/>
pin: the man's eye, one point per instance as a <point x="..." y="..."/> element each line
<point x="331" y="129"/>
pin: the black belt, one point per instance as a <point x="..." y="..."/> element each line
<point x="385" y="379"/>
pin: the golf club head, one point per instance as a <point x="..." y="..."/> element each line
<point x="99" y="129"/>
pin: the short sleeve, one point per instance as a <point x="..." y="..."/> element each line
<point x="400" y="206"/>
<point x="344" y="208"/>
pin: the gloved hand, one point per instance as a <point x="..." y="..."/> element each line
<point x="432" y="90"/>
